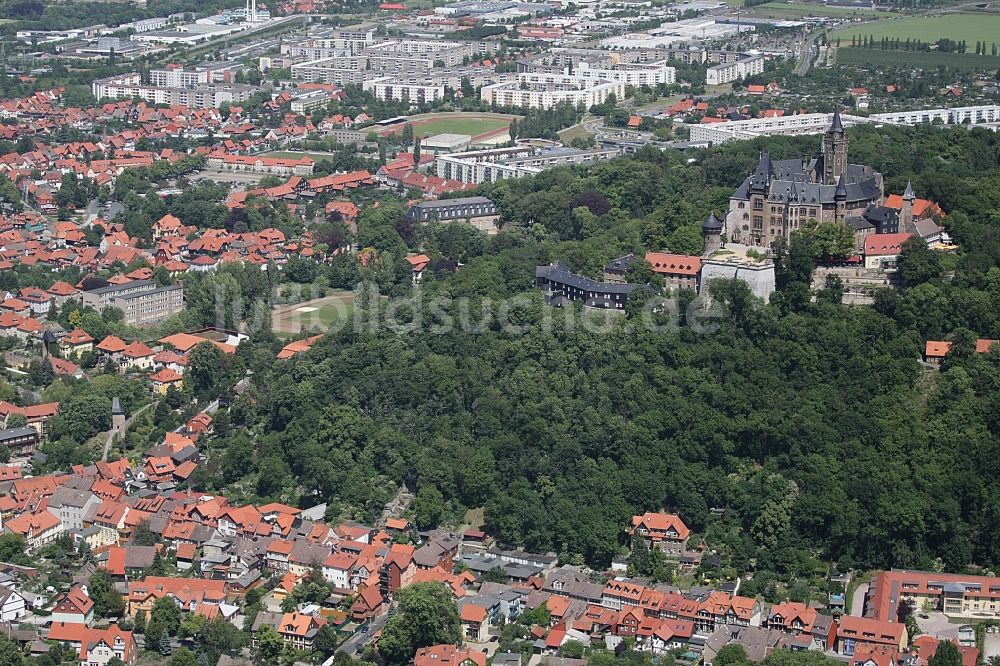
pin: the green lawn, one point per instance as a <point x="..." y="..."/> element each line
<point x="970" y="27"/>
<point x="337" y="316"/>
<point x="797" y="10"/>
<point x="470" y="126"/>
<point x="919" y="59"/>
<point x="573" y="132"/>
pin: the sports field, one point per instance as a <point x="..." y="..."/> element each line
<point x="470" y="126"/>
<point x="334" y="311"/>
<point x="476" y="125"/>
<point x="928" y="29"/>
<point x="797" y="10"/>
<point x="919" y="59"/>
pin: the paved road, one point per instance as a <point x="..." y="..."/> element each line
<point x="807" y="53"/>
<point x="358" y="641"/>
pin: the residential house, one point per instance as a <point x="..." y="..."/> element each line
<point x="474" y="622"/>
<point x="100" y="646"/>
<point x="368" y="604"/>
<point x="448" y="655"/>
<point x="70" y="506"/>
<point x="74" y="607"/>
<point x="12" y="605"/>
<point x="76" y="343"/>
<point x="665" y="531"/>
<point x="38" y="529"/>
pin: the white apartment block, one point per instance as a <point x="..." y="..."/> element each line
<point x="338" y="71"/>
<point x="543" y="91"/>
<point x="734" y="71"/>
<point x="817" y="123"/>
<point x="128" y="86"/>
<point x="394" y="88"/>
<point x="631" y="74"/>
<point x="177" y="78"/>
<point x="451" y="53"/>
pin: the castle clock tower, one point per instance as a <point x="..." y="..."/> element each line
<point x="834" y="152"/>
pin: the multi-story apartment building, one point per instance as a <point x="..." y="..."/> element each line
<point x="631" y="74"/>
<point x="412" y="50"/>
<point x="399" y="89"/>
<point x="202" y="96"/>
<point x="734" y="71"/>
<point x="338" y="71"/>
<point x="21" y="442"/>
<point x="142" y="301"/>
<point x="543" y="91"/>
<point x="952" y="594"/>
<point x="177" y="77"/>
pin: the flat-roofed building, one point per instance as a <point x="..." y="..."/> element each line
<point x="142" y="301"/>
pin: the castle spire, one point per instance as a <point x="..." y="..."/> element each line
<point x="836" y="125"/>
<point x="908" y="194"/>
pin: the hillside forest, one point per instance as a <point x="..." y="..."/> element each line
<point x="799" y="432"/>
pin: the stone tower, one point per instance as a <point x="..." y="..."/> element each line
<point x="834" y="151"/>
<point x="840" y="199"/>
<point x="117" y="414"/>
<point x="711" y="231"/>
<point x="906" y="213"/>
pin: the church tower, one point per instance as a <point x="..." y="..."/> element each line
<point x="834" y="151"/>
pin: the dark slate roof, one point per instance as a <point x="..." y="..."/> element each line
<point x="795" y="192"/>
<point x="859" y="223"/>
<point x="621" y="264"/>
<point x="16" y="433"/>
<point x="836" y="125"/>
<point x="880" y="214"/>
<point x="712" y="223"/>
<point x="559" y="272"/>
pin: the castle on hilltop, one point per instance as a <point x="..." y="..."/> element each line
<point x="782" y="195"/>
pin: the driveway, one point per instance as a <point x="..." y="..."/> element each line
<point x="858" y="600"/>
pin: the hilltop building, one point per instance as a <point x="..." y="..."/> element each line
<point x="781" y="195"/>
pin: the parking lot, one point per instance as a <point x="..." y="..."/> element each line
<point x="936" y="624"/>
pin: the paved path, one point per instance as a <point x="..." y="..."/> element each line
<point x="858" y="600"/>
<point x="111" y="433"/>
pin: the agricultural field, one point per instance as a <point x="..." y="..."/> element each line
<point x="970" y="27"/>
<point x="798" y="10"/>
<point x="919" y="59"/>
